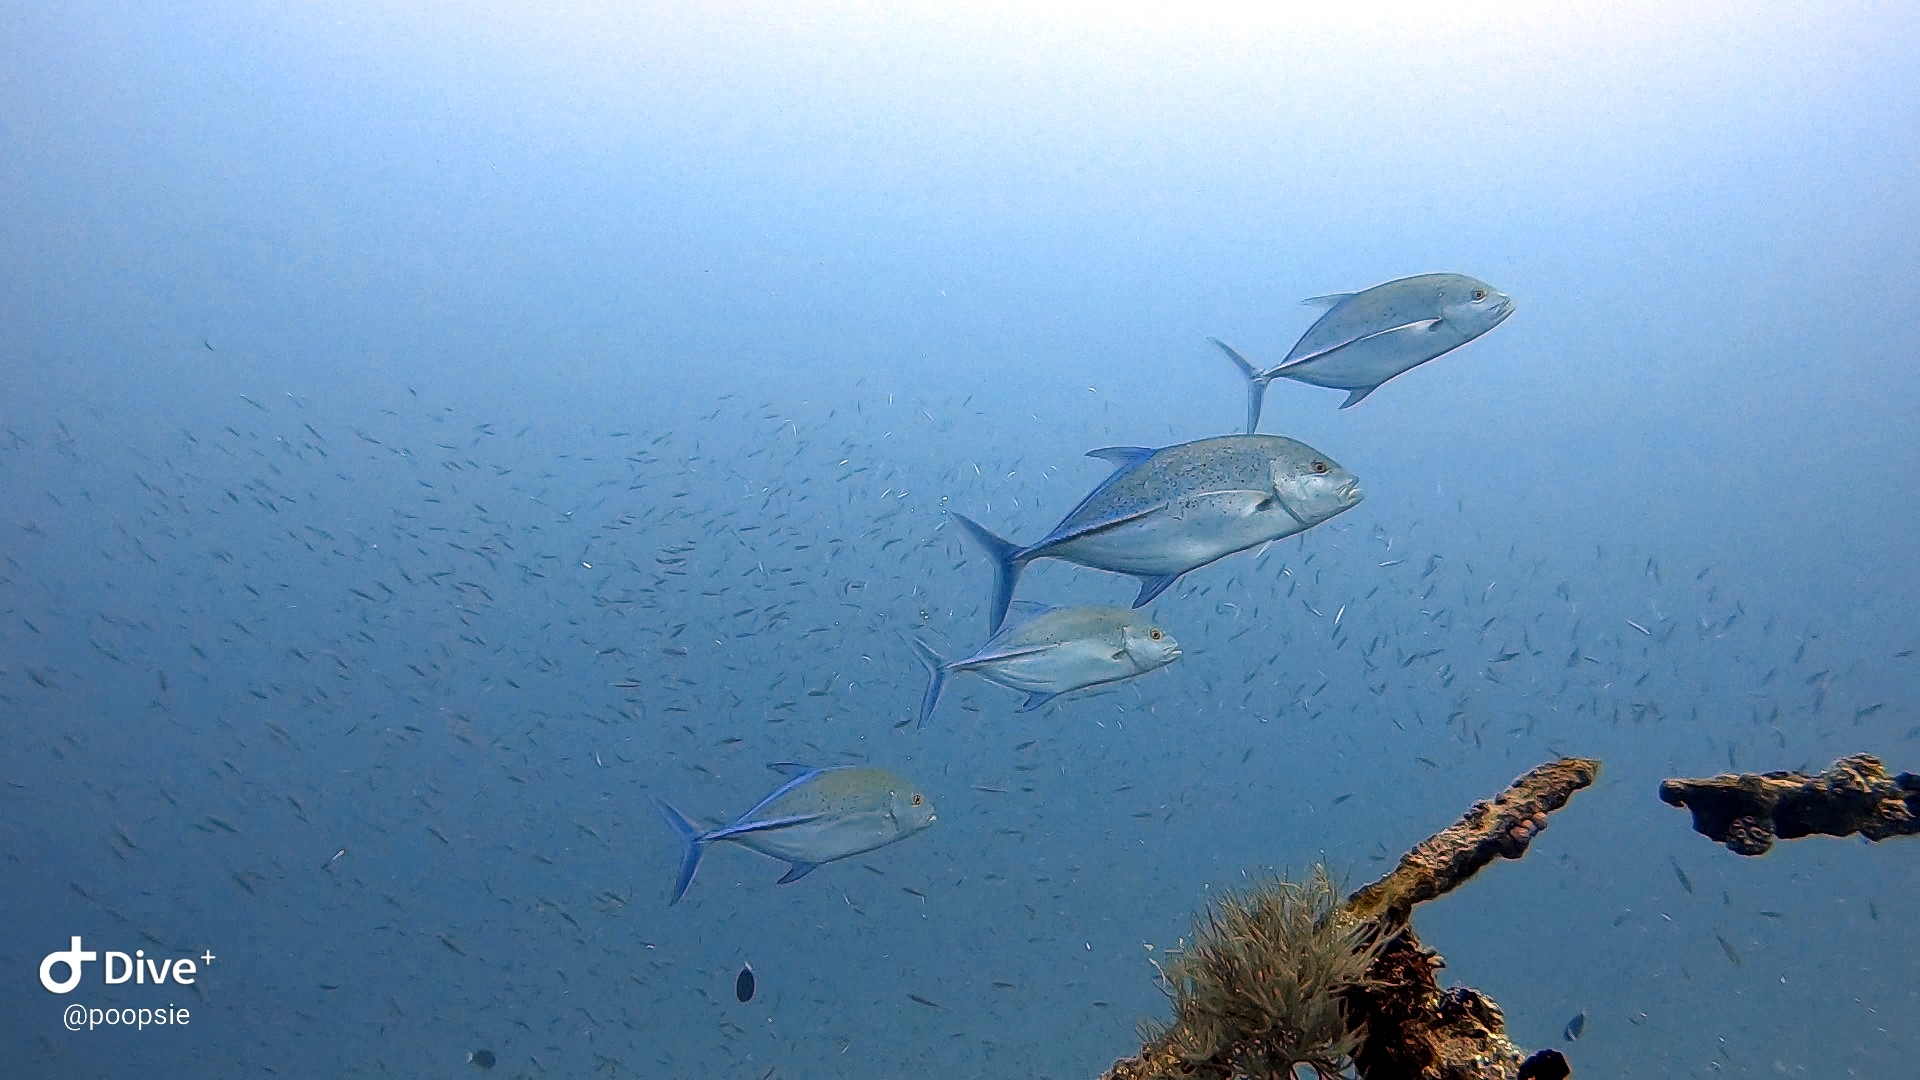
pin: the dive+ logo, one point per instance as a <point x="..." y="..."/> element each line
<point x="120" y="968"/>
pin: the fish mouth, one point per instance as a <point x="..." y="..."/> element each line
<point x="1351" y="493"/>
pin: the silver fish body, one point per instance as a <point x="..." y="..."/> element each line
<point x="1056" y="651"/>
<point x="1371" y="336"/>
<point x="1165" y="512"/>
<point x="817" y="816"/>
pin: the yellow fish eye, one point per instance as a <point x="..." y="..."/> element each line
<point x="916" y="800"/>
<point x="1157" y="635"/>
<point x="1479" y="295"/>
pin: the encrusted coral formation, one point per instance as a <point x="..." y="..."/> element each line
<point x="1747" y="812"/>
<point x="1287" y="977"/>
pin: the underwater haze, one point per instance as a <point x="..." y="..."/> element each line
<point x="430" y="434"/>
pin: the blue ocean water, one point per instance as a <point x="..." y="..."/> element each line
<point x="427" y="435"/>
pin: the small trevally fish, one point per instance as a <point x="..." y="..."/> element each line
<point x="1056" y="651"/>
<point x="817" y="816"/>
<point x="1368" y="337"/>
<point x="1167" y="511"/>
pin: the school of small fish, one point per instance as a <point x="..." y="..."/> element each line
<point x="356" y="601"/>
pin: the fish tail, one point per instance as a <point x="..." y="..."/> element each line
<point x="1256" y="393"/>
<point x="1006" y="568"/>
<point x="936" y="677"/>
<point x="1256" y="383"/>
<point x="691" y="847"/>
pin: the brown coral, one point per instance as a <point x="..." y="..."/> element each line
<point x="1747" y="812"/>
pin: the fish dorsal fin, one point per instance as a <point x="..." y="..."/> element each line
<point x="1122" y="455"/>
<point x="1329" y="300"/>
<point x="791" y="768"/>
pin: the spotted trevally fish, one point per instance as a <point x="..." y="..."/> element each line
<point x="1055" y="651"/>
<point x="1368" y="337"/>
<point x="1167" y="511"/>
<point x="817" y="816"/>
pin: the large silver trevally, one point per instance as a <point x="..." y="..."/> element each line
<point x="817" y="816"/>
<point x="1167" y="511"/>
<point x="1368" y="337"/>
<point x="1056" y="651"/>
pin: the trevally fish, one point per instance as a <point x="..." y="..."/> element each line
<point x="817" y="816"/>
<point x="1055" y="651"/>
<point x="1368" y="337"/>
<point x="1167" y="511"/>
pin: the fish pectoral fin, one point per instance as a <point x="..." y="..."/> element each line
<point x="1036" y="700"/>
<point x="1151" y="587"/>
<point x="1102" y="526"/>
<point x="1303" y="361"/>
<point x="1274" y="500"/>
<point x="796" y="871"/>
<point x="1031" y="609"/>
<point x="1327" y="301"/>
<point x="1005" y="654"/>
<point x="741" y="828"/>
<point x="1417" y="324"/>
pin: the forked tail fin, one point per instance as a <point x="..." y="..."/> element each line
<point x="1006" y="568"/>
<point x="1256" y="383"/>
<point x="936" y="677"/>
<point x="691" y="847"/>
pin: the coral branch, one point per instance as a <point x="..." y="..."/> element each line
<point x="1747" y="812"/>
<point x="1500" y="828"/>
<point x="1238" y="992"/>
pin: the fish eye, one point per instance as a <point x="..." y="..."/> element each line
<point x="1320" y="466"/>
<point x="1479" y="295"/>
<point x="1157" y="635"/>
<point x="917" y="800"/>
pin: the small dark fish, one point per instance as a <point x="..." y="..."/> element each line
<point x="924" y="1001"/>
<point x="743" y="985"/>
<point x="1727" y="947"/>
<point x="481" y="1059"/>
<point x="1576" y="1026"/>
<point x="1682" y="875"/>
